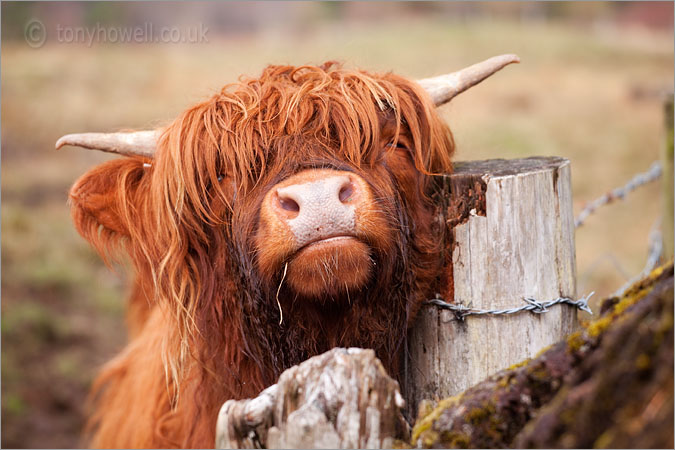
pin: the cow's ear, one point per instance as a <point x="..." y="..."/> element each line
<point x="107" y="201"/>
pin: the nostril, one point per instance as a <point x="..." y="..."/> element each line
<point x="288" y="204"/>
<point x="346" y="192"/>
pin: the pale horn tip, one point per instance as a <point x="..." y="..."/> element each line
<point x="442" y="88"/>
<point x="63" y="140"/>
<point x="510" y="58"/>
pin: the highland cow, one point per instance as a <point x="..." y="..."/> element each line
<point x="284" y="216"/>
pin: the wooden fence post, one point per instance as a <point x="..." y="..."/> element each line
<point x="513" y="237"/>
<point x="340" y="399"/>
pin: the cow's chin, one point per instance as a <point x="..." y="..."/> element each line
<point x="330" y="267"/>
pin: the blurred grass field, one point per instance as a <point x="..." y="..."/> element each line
<point x="590" y="94"/>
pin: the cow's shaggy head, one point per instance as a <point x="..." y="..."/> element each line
<point x="286" y="215"/>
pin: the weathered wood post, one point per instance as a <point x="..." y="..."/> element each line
<point x="339" y="399"/>
<point x="511" y="236"/>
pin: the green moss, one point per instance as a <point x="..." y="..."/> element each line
<point x="429" y="439"/>
<point x="604" y="440"/>
<point x="521" y="364"/>
<point x="596" y="327"/>
<point x="630" y="299"/>
<point x="397" y="443"/>
<point x="455" y="439"/>
<point x="13" y="404"/>
<point x="575" y="341"/>
<point x="424" y="425"/>
<point x="643" y="362"/>
<point x="504" y="381"/>
<point x="540" y="352"/>
<point x="538" y="372"/>
<point x="424" y="408"/>
<point x="633" y="295"/>
<point x="421" y="427"/>
<point x="636" y="292"/>
<point x="479" y="414"/>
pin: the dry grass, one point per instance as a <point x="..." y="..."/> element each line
<point x="590" y="95"/>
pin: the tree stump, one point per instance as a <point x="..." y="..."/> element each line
<point x="340" y="399"/>
<point x="509" y="235"/>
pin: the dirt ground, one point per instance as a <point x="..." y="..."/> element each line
<point x="592" y="94"/>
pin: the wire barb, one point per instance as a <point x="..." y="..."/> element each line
<point x="460" y="311"/>
<point x="638" y="180"/>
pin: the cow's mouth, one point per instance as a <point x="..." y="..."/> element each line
<point x="319" y="243"/>
<point x="330" y="266"/>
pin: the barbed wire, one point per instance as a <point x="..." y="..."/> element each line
<point x="653" y="257"/>
<point x="655" y="237"/>
<point x="620" y="193"/>
<point x="460" y="311"/>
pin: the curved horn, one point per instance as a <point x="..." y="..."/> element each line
<point x="137" y="143"/>
<point x="143" y="143"/>
<point x="444" y="87"/>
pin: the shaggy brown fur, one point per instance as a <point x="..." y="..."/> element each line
<point x="204" y="321"/>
